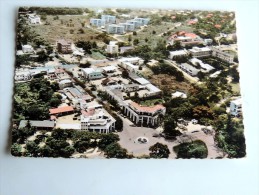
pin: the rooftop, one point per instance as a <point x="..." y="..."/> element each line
<point x="150" y="109"/>
<point x="45" y="123"/>
<point x="61" y="109"/>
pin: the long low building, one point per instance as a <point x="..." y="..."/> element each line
<point x="189" y="69"/>
<point x="61" y="110"/>
<point x="39" y="125"/>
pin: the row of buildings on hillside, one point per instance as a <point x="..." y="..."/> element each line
<point x="109" y="23"/>
<point x="215" y="51"/>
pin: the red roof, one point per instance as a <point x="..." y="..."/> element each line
<point x="192" y="22"/>
<point x="146" y="108"/>
<point x="61" y="109"/>
<point x="217" y="25"/>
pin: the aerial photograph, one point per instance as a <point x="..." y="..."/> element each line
<point x="126" y="83"/>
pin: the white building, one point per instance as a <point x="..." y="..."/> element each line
<point x="109" y="19"/>
<point x="178" y="53"/>
<point x="152" y="90"/>
<point x="200" y="52"/>
<point x="133" y="60"/>
<point x="112" y="47"/>
<point x="65" y="83"/>
<point x="236" y="107"/>
<point x="130" y="67"/>
<point x="128" y="26"/>
<point x="97" y="22"/>
<point x="205" y="67"/>
<point x="178" y="94"/>
<point x="90" y="73"/>
<point x="189" y="69"/>
<point x="27" y="49"/>
<point x="143" y="21"/>
<point x="109" y="69"/>
<point x="143" y="115"/>
<point x="115" y="29"/>
<point x="22" y="76"/>
<point x="137" y="24"/>
<point x="97" y="120"/>
<point x="217" y="52"/>
<point x="34" y="19"/>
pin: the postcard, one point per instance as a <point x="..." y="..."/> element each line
<point x="127" y="84"/>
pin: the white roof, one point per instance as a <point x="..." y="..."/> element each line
<point x="179" y="94"/>
<point x="204" y="66"/>
<point x="130" y="65"/>
<point x="215" y="74"/>
<point x="152" y="88"/>
<point x="113" y="42"/>
<point x="109" y="68"/>
<point x="65" y="81"/>
<point x="237" y="101"/>
<point x="88" y="70"/>
<point x="129" y="59"/>
<point x="179" y="52"/>
<point x="69" y="126"/>
<point x="142" y="81"/>
<point x="27" y="46"/>
<point x="198" y="49"/>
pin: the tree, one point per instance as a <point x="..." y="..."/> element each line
<point x="107" y="139"/>
<point x="170" y="128"/>
<point x="125" y="74"/>
<point x="32" y="148"/>
<point x="67" y="151"/>
<point x="159" y="151"/>
<point x="114" y="150"/>
<point x="16" y="149"/>
<point x="134" y="33"/>
<point x="55" y="102"/>
<point x="135" y="41"/>
<point x="195" y="149"/>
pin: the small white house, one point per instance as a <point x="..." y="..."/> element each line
<point x="236" y="107"/>
<point x="27" y="48"/>
<point x="91" y="73"/>
<point x="112" y="47"/>
<point x="65" y="83"/>
<point x="34" y="19"/>
<point x="179" y="94"/>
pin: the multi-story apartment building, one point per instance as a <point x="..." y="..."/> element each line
<point x="137" y="24"/>
<point x="109" y="19"/>
<point x="64" y="46"/>
<point x="128" y="26"/>
<point x="236" y="107"/>
<point x="200" y="52"/>
<point x="91" y="74"/>
<point x="97" y="22"/>
<point x="143" y="21"/>
<point x="115" y="29"/>
<point x="112" y="47"/>
<point x="174" y="54"/>
<point x="217" y="52"/>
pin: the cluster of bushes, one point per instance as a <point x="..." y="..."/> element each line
<point x="57" y="145"/>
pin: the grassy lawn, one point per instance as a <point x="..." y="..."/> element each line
<point x="151" y="102"/>
<point x="58" y="28"/>
<point x="97" y="55"/>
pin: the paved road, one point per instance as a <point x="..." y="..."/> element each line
<point x="130" y="133"/>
